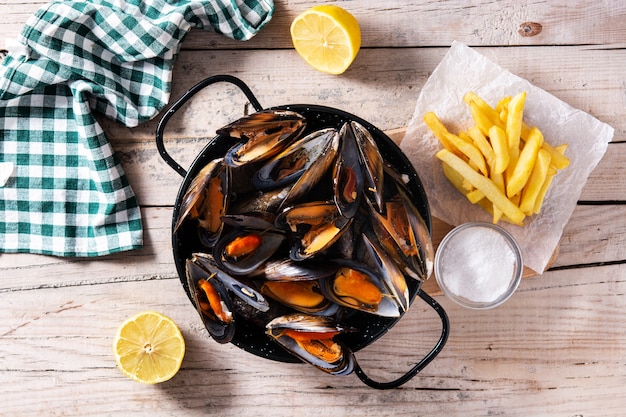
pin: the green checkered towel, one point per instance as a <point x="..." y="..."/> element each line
<point x="62" y="191"/>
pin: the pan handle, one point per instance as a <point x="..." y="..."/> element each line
<point x="422" y="363"/>
<point x="183" y="99"/>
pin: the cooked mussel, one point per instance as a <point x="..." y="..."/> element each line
<point x="359" y="287"/>
<point x="403" y="233"/>
<point x="206" y="200"/>
<point x="212" y="302"/>
<point x="307" y="153"/>
<point x="297" y="285"/>
<point x="252" y="242"/>
<point x="303" y="296"/>
<point x="318" y="167"/>
<point x="389" y="273"/>
<point x="263" y="134"/>
<point x="315" y="226"/>
<point x="372" y="162"/>
<point x="236" y="286"/>
<point x="244" y="250"/>
<point x="347" y="174"/>
<point x="311" y="339"/>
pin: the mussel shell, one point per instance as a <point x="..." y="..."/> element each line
<point x="344" y="365"/>
<point x="406" y="237"/>
<point x="303" y="296"/>
<point x="424" y="262"/>
<point x="270" y="241"/>
<point x="316" y="226"/>
<point x="221" y="332"/>
<point x="372" y="162"/>
<point x="316" y="171"/>
<point x="297" y="158"/>
<point x="348" y="174"/>
<point x="256" y="220"/>
<point x="195" y="201"/>
<point x="390" y="274"/>
<point x="288" y="270"/>
<point x="268" y="201"/>
<point x="263" y="134"/>
<point x="388" y="305"/>
<point x="239" y="288"/>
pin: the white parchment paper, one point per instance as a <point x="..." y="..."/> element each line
<point x="462" y="70"/>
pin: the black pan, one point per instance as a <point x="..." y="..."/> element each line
<point x="251" y="337"/>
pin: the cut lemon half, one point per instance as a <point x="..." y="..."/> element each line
<point x="149" y="347"/>
<point x="327" y="37"/>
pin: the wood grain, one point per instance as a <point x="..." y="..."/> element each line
<point x="422" y="24"/>
<point x="494" y="362"/>
<point x="556" y="348"/>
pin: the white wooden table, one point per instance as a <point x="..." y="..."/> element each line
<point x="557" y="348"/>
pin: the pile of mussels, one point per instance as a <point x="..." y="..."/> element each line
<point x="297" y="229"/>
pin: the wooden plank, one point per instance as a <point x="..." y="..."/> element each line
<point x="509" y="361"/>
<point x="155" y="261"/>
<point x="479" y="23"/>
<point x="588" y="79"/>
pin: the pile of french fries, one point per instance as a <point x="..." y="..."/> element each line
<point x="500" y="163"/>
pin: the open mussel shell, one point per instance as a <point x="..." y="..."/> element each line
<point x="317" y="169"/>
<point x="298" y="285"/>
<point x="304" y="296"/>
<point x="348" y="174"/>
<point x="212" y="302"/>
<point x="206" y="200"/>
<point x="311" y="339"/>
<point x="372" y="161"/>
<point x="239" y="288"/>
<point x="244" y="250"/>
<point x="403" y="233"/>
<point x="316" y="225"/>
<point x="289" y="165"/>
<point x="359" y="287"/>
<point x="263" y="134"/>
<point x="390" y="274"/>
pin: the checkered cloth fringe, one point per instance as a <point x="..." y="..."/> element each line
<point x="62" y="191"/>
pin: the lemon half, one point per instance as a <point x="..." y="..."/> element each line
<point x="328" y="38"/>
<point x="149" y="347"/>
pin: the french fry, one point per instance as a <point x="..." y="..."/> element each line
<point x="500" y="148"/>
<point x="498" y="180"/>
<point x="454" y="143"/>
<point x="454" y="177"/>
<point x="561" y="148"/>
<point x="487" y="187"/>
<point x="559" y="161"/>
<point x="438" y="129"/>
<point x="484" y="107"/>
<point x="525" y="163"/>
<point x="535" y="182"/>
<point x="469" y="150"/>
<point x="503" y="106"/>
<point x="544" y="190"/>
<point x="482" y="121"/>
<point x="501" y="163"/>
<point x="483" y="144"/>
<point x="461" y="183"/>
<point x="475" y="196"/>
<point x="515" y="110"/>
